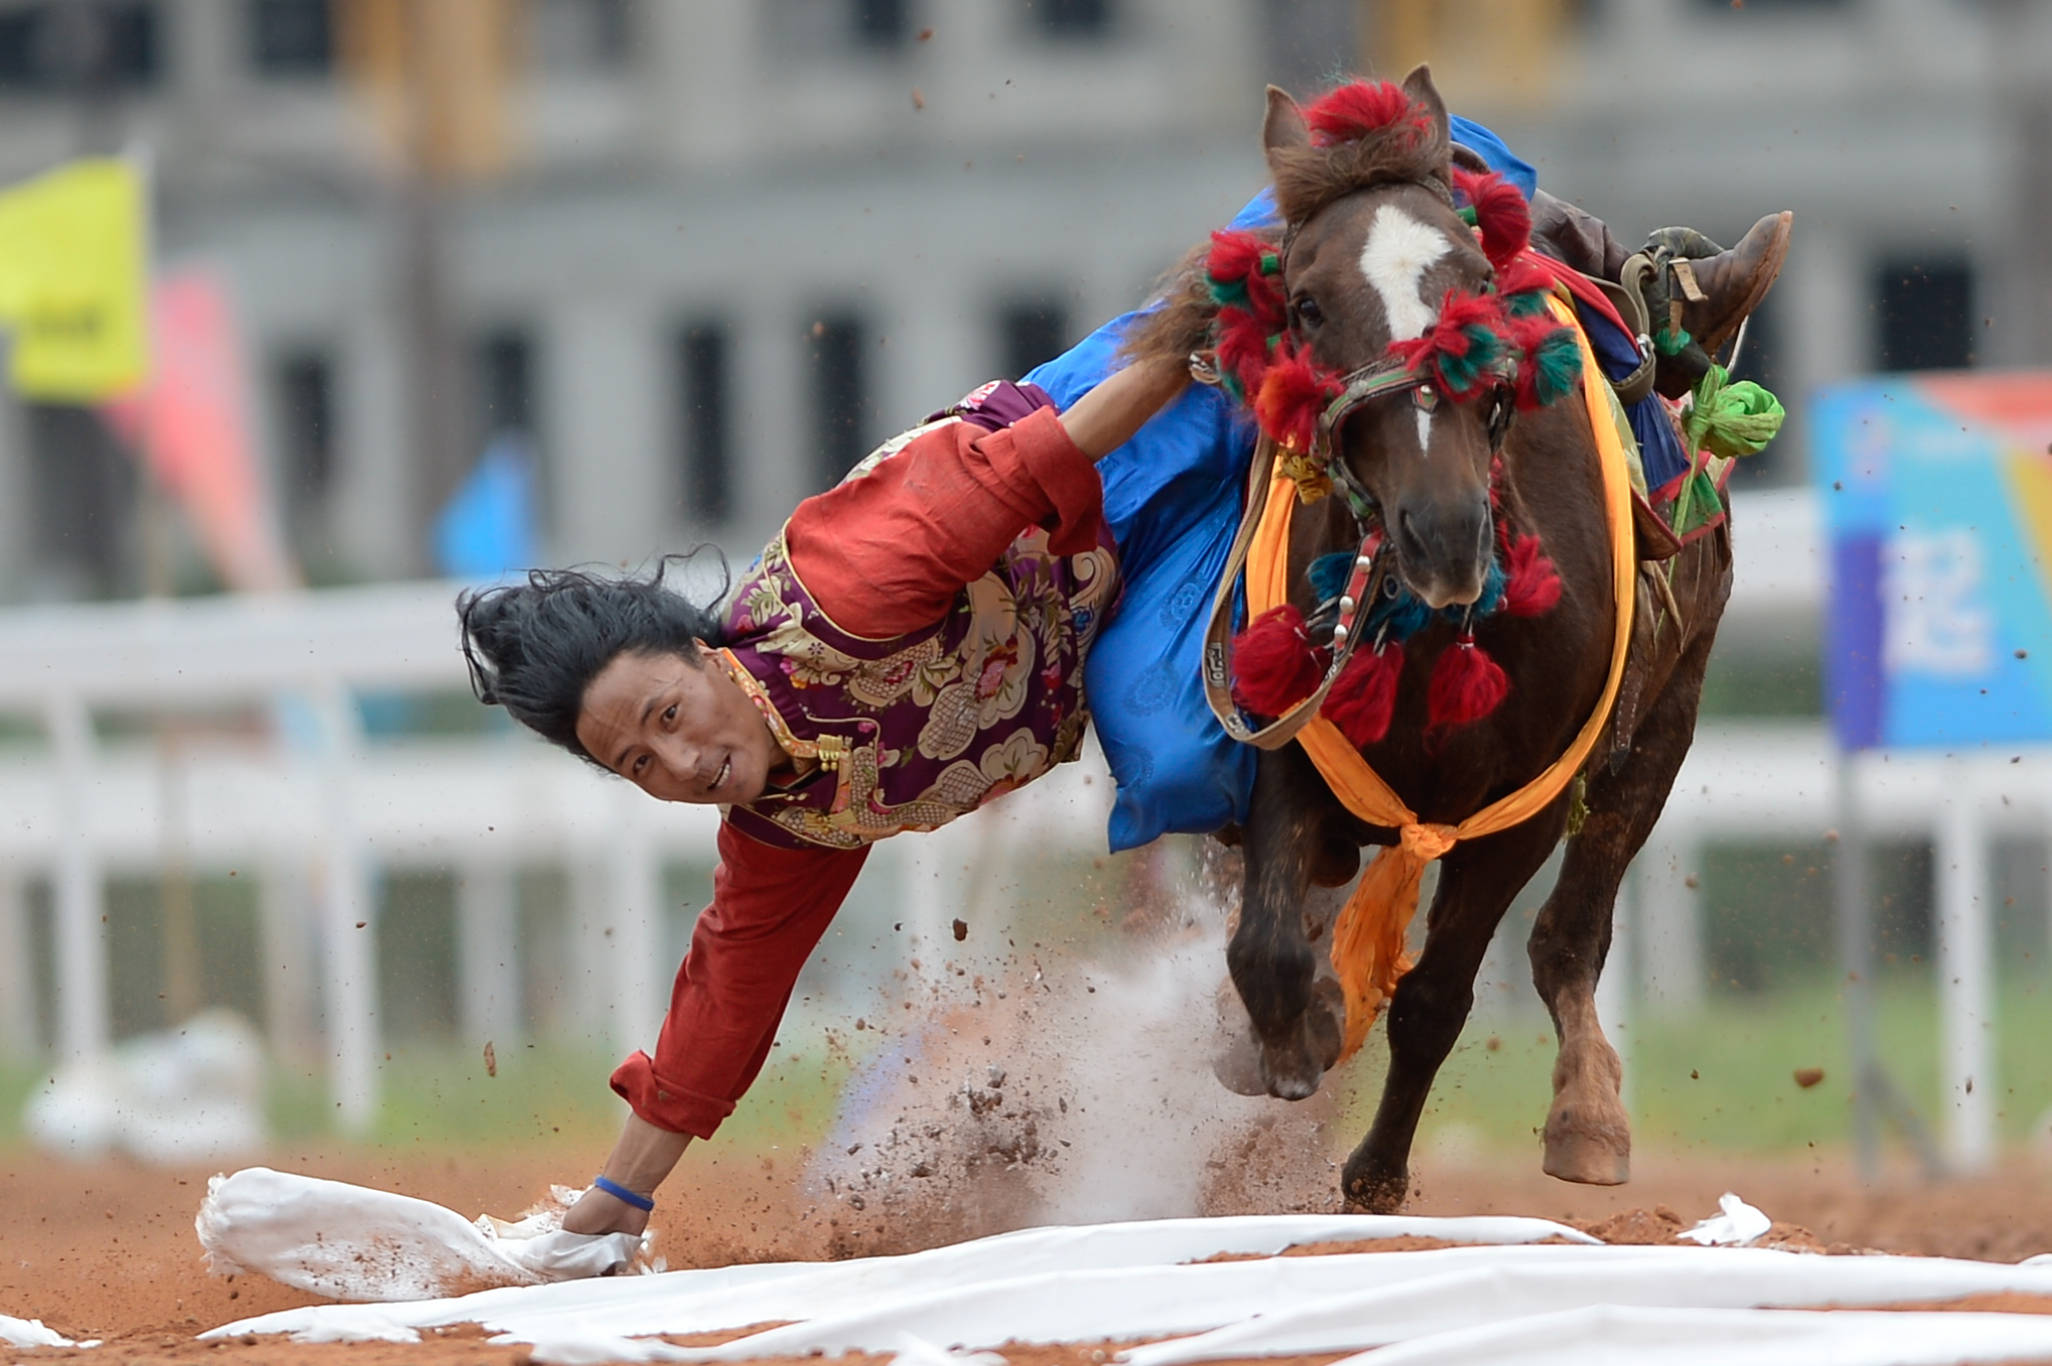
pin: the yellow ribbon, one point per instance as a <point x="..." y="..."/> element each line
<point x="1368" y="942"/>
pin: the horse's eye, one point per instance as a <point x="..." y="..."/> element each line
<point x="1308" y="313"/>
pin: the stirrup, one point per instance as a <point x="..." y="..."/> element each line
<point x="1627" y="296"/>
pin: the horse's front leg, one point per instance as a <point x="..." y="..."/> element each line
<point x="1476" y="884"/>
<point x="1273" y="964"/>
<point x="1588" y="1133"/>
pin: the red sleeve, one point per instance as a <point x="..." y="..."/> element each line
<point x="886" y="553"/>
<point x="769" y="908"/>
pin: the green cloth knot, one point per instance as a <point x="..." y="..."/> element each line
<point x="1731" y="419"/>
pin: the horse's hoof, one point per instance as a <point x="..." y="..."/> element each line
<point x="1293" y="1070"/>
<point x="1288" y="1082"/>
<point x="1380" y="1194"/>
<point x="1587" y="1154"/>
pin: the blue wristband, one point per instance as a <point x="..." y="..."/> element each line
<point x="622" y="1194"/>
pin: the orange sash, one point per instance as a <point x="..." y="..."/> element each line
<point x="1368" y="942"/>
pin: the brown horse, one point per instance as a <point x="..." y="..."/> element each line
<point x="1371" y="246"/>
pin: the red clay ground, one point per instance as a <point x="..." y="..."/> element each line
<point x="108" y="1251"/>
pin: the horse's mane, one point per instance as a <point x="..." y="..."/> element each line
<point x="1364" y="133"/>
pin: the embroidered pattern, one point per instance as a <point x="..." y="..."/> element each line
<point x="914" y="731"/>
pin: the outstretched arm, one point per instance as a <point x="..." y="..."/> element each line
<point x="770" y="906"/>
<point x="887" y="553"/>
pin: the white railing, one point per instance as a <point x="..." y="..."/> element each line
<point x="311" y="808"/>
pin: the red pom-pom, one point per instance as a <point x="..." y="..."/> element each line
<point x="1466" y="685"/>
<point x="1235" y="255"/>
<point x="1274" y="666"/>
<point x="1358" y="109"/>
<point x="1501" y="214"/>
<point x="1363" y="697"/>
<point x="1243" y="347"/>
<point x="1531" y="584"/>
<point x="1292" y="396"/>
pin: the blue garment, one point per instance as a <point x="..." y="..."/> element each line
<point x="1172" y="501"/>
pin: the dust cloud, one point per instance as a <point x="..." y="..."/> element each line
<point x="1062" y="1091"/>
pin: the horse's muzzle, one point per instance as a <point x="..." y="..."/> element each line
<point x="1443" y="551"/>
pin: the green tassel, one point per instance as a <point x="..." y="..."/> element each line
<point x="1228" y="293"/>
<point x="1671" y="343"/>
<point x="1271" y="263"/>
<point x="1461" y="373"/>
<point x="1467" y="212"/>
<point x="1556" y="365"/>
<point x="1731" y="419"/>
<point x="1529" y="304"/>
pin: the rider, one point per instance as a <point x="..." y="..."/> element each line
<point x="916" y="642"/>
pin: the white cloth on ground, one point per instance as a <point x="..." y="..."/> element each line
<point x="354" y="1243"/>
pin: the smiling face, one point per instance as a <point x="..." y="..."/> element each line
<point x="680" y="730"/>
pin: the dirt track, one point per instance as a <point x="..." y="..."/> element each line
<point x="109" y="1251"/>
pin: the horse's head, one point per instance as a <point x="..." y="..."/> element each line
<point x="1377" y="268"/>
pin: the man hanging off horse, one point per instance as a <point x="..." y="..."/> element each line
<point x="926" y="636"/>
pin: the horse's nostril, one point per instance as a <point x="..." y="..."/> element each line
<point x="1407" y="533"/>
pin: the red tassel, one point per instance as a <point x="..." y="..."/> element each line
<point x="1292" y="396"/>
<point x="1363" y="697"/>
<point x="1235" y="255"/>
<point x="1466" y="685"/>
<point x="1274" y="666"/>
<point x="1531" y="583"/>
<point x="1243" y="347"/>
<point x="1502" y="215"/>
<point x="1359" y="108"/>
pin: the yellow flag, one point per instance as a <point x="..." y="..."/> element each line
<point x="73" y="281"/>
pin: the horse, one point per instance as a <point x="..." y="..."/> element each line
<point x="1444" y="473"/>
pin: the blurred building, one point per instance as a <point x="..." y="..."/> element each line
<point x="701" y="253"/>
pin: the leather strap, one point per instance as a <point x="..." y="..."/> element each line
<point x="1218" y="663"/>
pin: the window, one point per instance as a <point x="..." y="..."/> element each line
<point x="84" y="490"/>
<point x="303" y="388"/>
<point x="819" y="27"/>
<point x="1071" y="18"/>
<point x="1925" y="314"/>
<point x="574" y="36"/>
<point x="704" y="414"/>
<point x="842" y="416"/>
<point x="505" y="384"/>
<point x="63" y="45"/>
<point x="292" y="38"/>
<point x="1030" y="332"/>
<point x="880" y="23"/>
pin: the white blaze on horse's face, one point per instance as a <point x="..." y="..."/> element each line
<point x="1394" y="259"/>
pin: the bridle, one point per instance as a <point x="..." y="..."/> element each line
<point x="1373" y="575"/>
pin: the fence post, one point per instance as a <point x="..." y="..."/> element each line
<point x="1966" y="986"/>
<point x="1670" y="939"/>
<point x="349" y="927"/>
<point x="636" y="922"/>
<point x="81" y="937"/>
<point x="18" y="1041"/>
<point x="286" y="959"/>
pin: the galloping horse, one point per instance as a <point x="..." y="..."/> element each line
<point x="1457" y="479"/>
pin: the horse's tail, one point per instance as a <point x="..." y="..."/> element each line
<point x="1177" y="320"/>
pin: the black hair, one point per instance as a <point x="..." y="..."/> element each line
<point x="534" y="647"/>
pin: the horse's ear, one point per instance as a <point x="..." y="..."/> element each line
<point x="1284" y="129"/>
<point x="1418" y="85"/>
